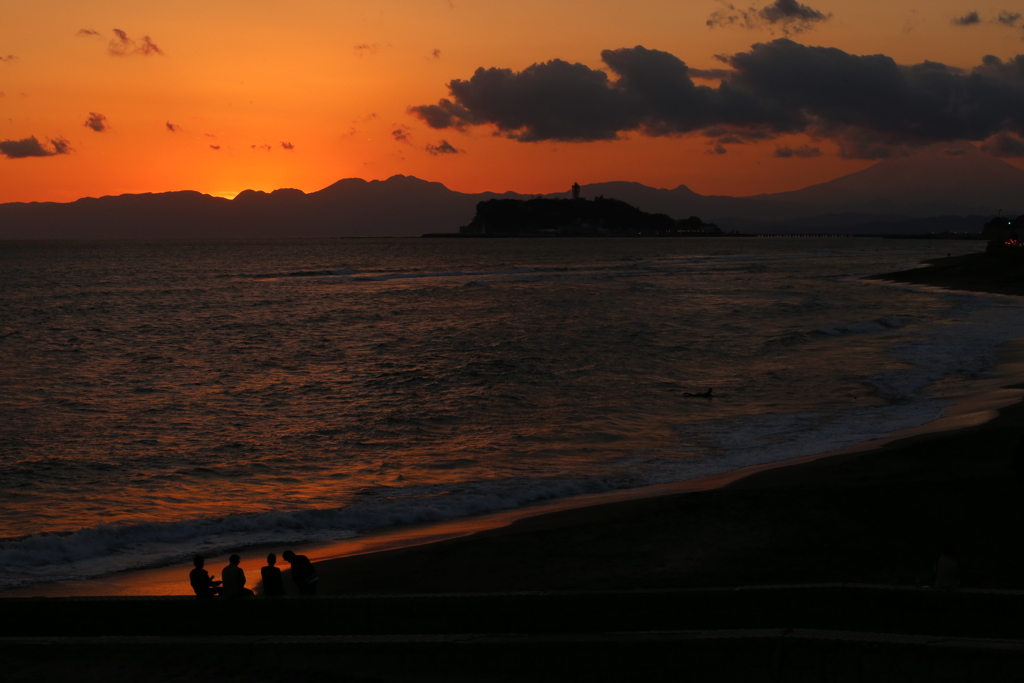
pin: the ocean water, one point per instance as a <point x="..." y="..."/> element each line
<point x="159" y="399"/>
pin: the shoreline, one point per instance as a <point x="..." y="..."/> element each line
<point x="996" y="400"/>
<point x="1002" y="392"/>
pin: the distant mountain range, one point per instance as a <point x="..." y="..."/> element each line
<point x="914" y="195"/>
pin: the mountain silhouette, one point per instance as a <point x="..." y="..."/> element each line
<point x="928" y="192"/>
<point x="927" y="183"/>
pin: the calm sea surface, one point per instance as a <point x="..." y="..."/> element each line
<point x="158" y="399"/>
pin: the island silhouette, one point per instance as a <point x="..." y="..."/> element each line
<point x="577" y="217"/>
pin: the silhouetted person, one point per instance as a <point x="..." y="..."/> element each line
<point x="273" y="583"/>
<point x="947" y="570"/>
<point x="201" y="581"/>
<point x="1018" y="459"/>
<point x="234" y="580"/>
<point x="303" y="574"/>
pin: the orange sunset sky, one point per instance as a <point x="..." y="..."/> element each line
<point x="112" y="97"/>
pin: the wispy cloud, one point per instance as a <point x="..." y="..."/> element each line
<point x="121" y="46"/>
<point x="261" y="148"/>
<point x="88" y="33"/>
<point x="1008" y="18"/>
<point x="97" y="122"/>
<point x="969" y="19"/>
<point x="31" y="147"/>
<point x="435" y="53"/>
<point x="287" y="145"/>
<point x="443" y="148"/>
<point x="789" y="16"/>
<point x="217" y="147"/>
<point x="364" y="49"/>
<point x="10" y="59"/>
<point x="173" y="127"/>
<point x="801" y="152"/>
<point x="401" y="134"/>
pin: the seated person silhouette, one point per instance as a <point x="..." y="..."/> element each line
<point x="234" y="580"/>
<point x="303" y="574"/>
<point x="947" y="570"/>
<point x="201" y="581"/>
<point x="273" y="583"/>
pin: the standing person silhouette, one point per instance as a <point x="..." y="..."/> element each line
<point x="201" y="581"/>
<point x="303" y="573"/>
<point x="234" y="580"/>
<point x="273" y="583"/>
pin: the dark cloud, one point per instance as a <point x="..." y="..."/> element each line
<point x="710" y="74"/>
<point x="717" y="149"/>
<point x="400" y="135"/>
<point x="435" y="53"/>
<point x="869" y="105"/>
<point x="9" y="58"/>
<point x="968" y="19"/>
<point x="366" y="49"/>
<point x="1008" y="18"/>
<point x="789" y="16"/>
<point x="173" y="127"/>
<point x="121" y="45"/>
<point x="287" y="145"/>
<point x="96" y="121"/>
<point x="88" y="33"/>
<point x="264" y="148"/>
<point x="802" y="152"/>
<point x="736" y="136"/>
<point x="444" y="148"/>
<point x="861" y="145"/>
<point x="1004" y="145"/>
<point x="31" y="147"/>
<point x="217" y="147"/>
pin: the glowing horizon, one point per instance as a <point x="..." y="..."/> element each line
<point x="116" y="98"/>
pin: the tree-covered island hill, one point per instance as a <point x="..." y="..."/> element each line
<point x="577" y="217"/>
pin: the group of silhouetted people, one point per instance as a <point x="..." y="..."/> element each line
<point x="232" y="578"/>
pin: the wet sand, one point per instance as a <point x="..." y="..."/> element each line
<point x="881" y="516"/>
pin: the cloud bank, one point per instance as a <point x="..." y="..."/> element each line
<point x="868" y="104"/>
<point x="31" y="147"/>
